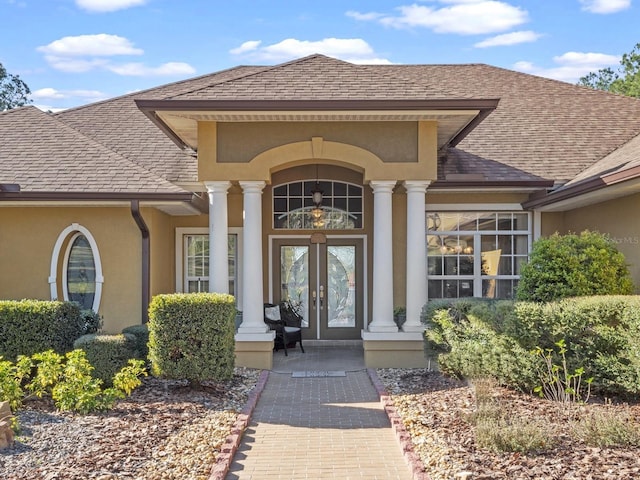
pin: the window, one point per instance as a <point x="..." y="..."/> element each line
<point x="197" y="263"/>
<point x="476" y="254"/>
<point x="192" y="260"/>
<point x="80" y="268"/>
<point x="341" y="207"/>
<point x="80" y="272"/>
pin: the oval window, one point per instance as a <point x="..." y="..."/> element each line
<point x="81" y="272"/>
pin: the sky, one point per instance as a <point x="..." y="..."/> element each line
<point x="74" y="52"/>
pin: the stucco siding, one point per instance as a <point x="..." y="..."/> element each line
<point x="27" y="239"/>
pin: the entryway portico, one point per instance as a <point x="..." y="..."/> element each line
<point x="387" y="149"/>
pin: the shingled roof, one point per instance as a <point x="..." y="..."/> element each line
<point x="541" y="129"/>
<point x="43" y="154"/>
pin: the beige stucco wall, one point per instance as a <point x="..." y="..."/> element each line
<point x="619" y="218"/>
<point x="27" y="239"/>
<point x="250" y="151"/>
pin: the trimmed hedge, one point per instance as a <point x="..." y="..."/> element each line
<point x="191" y="336"/>
<point x="485" y="337"/>
<point x="141" y="334"/>
<point x="108" y="354"/>
<point x="31" y="326"/>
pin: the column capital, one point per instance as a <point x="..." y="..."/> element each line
<point x="253" y="186"/>
<point x="217" y="186"/>
<point x="416" y="186"/>
<point x="382" y="186"/>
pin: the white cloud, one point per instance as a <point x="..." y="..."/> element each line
<point x="108" y="5"/>
<point x="571" y="66"/>
<point x="513" y="38"/>
<point x="464" y="17"/>
<point x="141" y="70"/>
<point x="74" y="65"/>
<point x="364" y="17"/>
<point x="90" y="45"/>
<point x="605" y="6"/>
<point x="353" y="50"/>
<point x="84" y="53"/>
<point x="248" y="46"/>
<point x="48" y="108"/>
<point x="53" y="94"/>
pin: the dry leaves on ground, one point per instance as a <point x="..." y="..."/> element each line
<point x="436" y="412"/>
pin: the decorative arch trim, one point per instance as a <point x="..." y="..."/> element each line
<point x="299" y="153"/>
<point x="66" y="234"/>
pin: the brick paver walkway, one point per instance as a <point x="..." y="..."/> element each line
<point x="317" y="428"/>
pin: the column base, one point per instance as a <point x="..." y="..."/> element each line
<point x="254" y="351"/>
<point x="384" y="328"/>
<point x="394" y="350"/>
<point x="414" y="328"/>
<point x="254" y="330"/>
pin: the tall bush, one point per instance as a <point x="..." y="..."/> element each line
<point x="573" y="265"/>
<point x="191" y="336"/>
<point x="31" y="326"/>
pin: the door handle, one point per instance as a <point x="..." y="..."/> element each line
<point x="321" y="296"/>
<point x="313" y="296"/>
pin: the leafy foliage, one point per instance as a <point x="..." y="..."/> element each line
<point x="191" y="336"/>
<point x="13" y="91"/>
<point x="31" y="326"/>
<point x="626" y="81"/>
<point x="558" y="383"/>
<point x="574" y="265"/>
<point x="470" y="347"/>
<point x="66" y="379"/>
<point x="481" y="337"/>
<point x="141" y="334"/>
<point x="107" y="353"/>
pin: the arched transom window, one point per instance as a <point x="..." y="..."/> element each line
<point x="335" y="205"/>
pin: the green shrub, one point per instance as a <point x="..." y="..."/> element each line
<point x="191" y="336"/>
<point x="494" y="337"/>
<point x="31" y="326"/>
<point x="67" y="380"/>
<point x="92" y="321"/>
<point x="141" y="334"/>
<point x="469" y="347"/>
<point x="562" y="266"/>
<point x="108" y="354"/>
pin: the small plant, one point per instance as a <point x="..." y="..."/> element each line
<point x="67" y="380"/>
<point x="497" y="430"/>
<point x="607" y="428"/>
<point x="558" y="383"/>
<point x="512" y="434"/>
<point x="399" y="316"/>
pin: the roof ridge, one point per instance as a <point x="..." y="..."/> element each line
<point x="265" y="69"/>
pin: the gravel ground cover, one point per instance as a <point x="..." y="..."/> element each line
<point x="435" y="411"/>
<point x="164" y="430"/>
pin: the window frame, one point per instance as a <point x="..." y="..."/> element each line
<point x="477" y="277"/>
<point x="66" y="237"/>
<point x="181" y="257"/>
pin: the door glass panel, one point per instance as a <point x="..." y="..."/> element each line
<point x="341" y="286"/>
<point x="294" y="277"/>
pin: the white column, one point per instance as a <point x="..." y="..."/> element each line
<point x="382" y="312"/>
<point x="218" y="237"/>
<point x="416" y="254"/>
<point x="252" y="300"/>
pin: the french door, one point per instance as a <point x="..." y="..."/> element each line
<point x="325" y="281"/>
